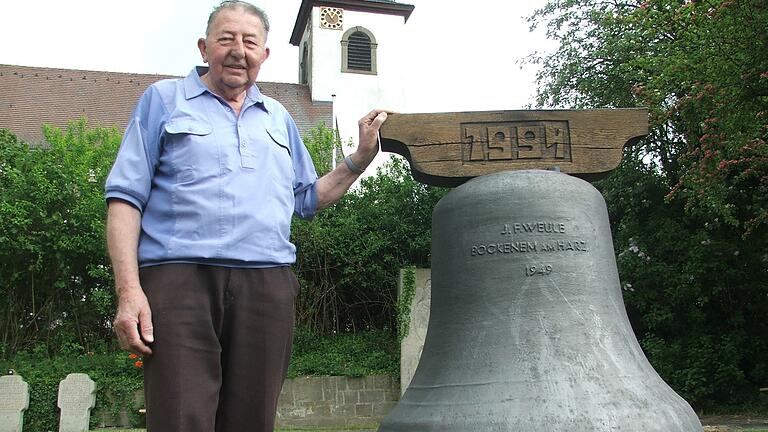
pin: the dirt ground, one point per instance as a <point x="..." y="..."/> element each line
<point x="731" y="423"/>
<point x="725" y="423"/>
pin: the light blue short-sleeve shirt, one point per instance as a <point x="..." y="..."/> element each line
<point x="213" y="187"/>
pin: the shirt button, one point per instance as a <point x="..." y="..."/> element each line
<point x="228" y="109"/>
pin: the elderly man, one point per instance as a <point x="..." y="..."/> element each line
<point x="200" y="201"/>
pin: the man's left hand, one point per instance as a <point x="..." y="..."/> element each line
<point x="369" y="137"/>
<point x="332" y="186"/>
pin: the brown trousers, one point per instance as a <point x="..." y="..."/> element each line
<point x="223" y="340"/>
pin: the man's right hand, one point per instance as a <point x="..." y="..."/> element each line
<point x="133" y="322"/>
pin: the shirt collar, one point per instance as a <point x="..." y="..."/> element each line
<point x="194" y="86"/>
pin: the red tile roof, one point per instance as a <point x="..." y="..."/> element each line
<point x="31" y="96"/>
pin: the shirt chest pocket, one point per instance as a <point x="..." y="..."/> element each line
<point x="270" y="151"/>
<point x="190" y="148"/>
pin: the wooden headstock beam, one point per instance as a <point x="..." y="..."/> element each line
<point x="447" y="149"/>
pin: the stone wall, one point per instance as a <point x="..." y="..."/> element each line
<point x="336" y="401"/>
<point x="329" y="401"/>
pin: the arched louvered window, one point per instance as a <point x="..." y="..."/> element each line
<point x="358" y="54"/>
<point x="359" y="51"/>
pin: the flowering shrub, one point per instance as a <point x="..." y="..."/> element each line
<point x="138" y="362"/>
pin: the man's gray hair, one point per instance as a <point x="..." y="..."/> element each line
<point x="238" y="4"/>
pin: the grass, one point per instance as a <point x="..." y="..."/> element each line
<point x="348" y="429"/>
<point x="288" y="429"/>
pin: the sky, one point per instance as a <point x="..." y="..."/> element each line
<point x="464" y="56"/>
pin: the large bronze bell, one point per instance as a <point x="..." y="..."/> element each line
<point x="528" y="331"/>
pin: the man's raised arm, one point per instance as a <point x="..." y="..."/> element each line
<point x="332" y="186"/>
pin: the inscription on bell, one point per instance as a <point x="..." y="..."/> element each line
<point x="533" y="227"/>
<point x="528" y="246"/>
<point x="516" y="240"/>
<point x="516" y="141"/>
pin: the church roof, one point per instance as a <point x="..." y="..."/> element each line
<point x="374" y="6"/>
<point x="31" y="96"/>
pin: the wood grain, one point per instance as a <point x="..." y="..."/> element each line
<point x="447" y="149"/>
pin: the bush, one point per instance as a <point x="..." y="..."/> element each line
<point x="349" y="256"/>
<point x="694" y="290"/>
<point x="116" y="376"/>
<point x="345" y="354"/>
<point x="56" y="284"/>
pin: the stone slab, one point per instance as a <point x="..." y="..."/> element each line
<point x="413" y="342"/>
<point x="77" y="397"/>
<point x="14" y="400"/>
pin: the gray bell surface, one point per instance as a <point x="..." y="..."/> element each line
<point x="527" y="330"/>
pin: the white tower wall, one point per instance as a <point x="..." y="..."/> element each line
<point x="356" y="93"/>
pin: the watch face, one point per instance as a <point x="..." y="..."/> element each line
<point x="331" y="18"/>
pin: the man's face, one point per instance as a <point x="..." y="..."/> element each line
<point x="235" y="48"/>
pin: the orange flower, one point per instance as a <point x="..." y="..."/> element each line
<point x="133" y="356"/>
<point x="139" y="363"/>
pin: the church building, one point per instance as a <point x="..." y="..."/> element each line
<point x="348" y="64"/>
<point x="350" y="54"/>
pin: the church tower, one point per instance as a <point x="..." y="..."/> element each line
<point x="351" y="54"/>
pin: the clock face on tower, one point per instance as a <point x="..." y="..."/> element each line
<point x="331" y="18"/>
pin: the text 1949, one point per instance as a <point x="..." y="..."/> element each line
<point x="538" y="270"/>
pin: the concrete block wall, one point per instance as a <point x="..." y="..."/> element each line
<point x="334" y="401"/>
<point x="328" y="401"/>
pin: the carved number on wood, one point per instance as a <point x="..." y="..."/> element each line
<point x="539" y="140"/>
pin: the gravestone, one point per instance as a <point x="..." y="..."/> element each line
<point x="14" y="400"/>
<point x="77" y="397"/>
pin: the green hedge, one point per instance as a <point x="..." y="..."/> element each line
<point x="55" y="282"/>
<point x="375" y="352"/>
<point x="349" y="256"/>
<point x="118" y="378"/>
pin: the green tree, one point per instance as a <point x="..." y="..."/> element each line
<point x="701" y="67"/>
<point x="695" y="291"/>
<point x="349" y="255"/>
<point x="55" y="282"/>
<point x="688" y="204"/>
<point x="321" y="142"/>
